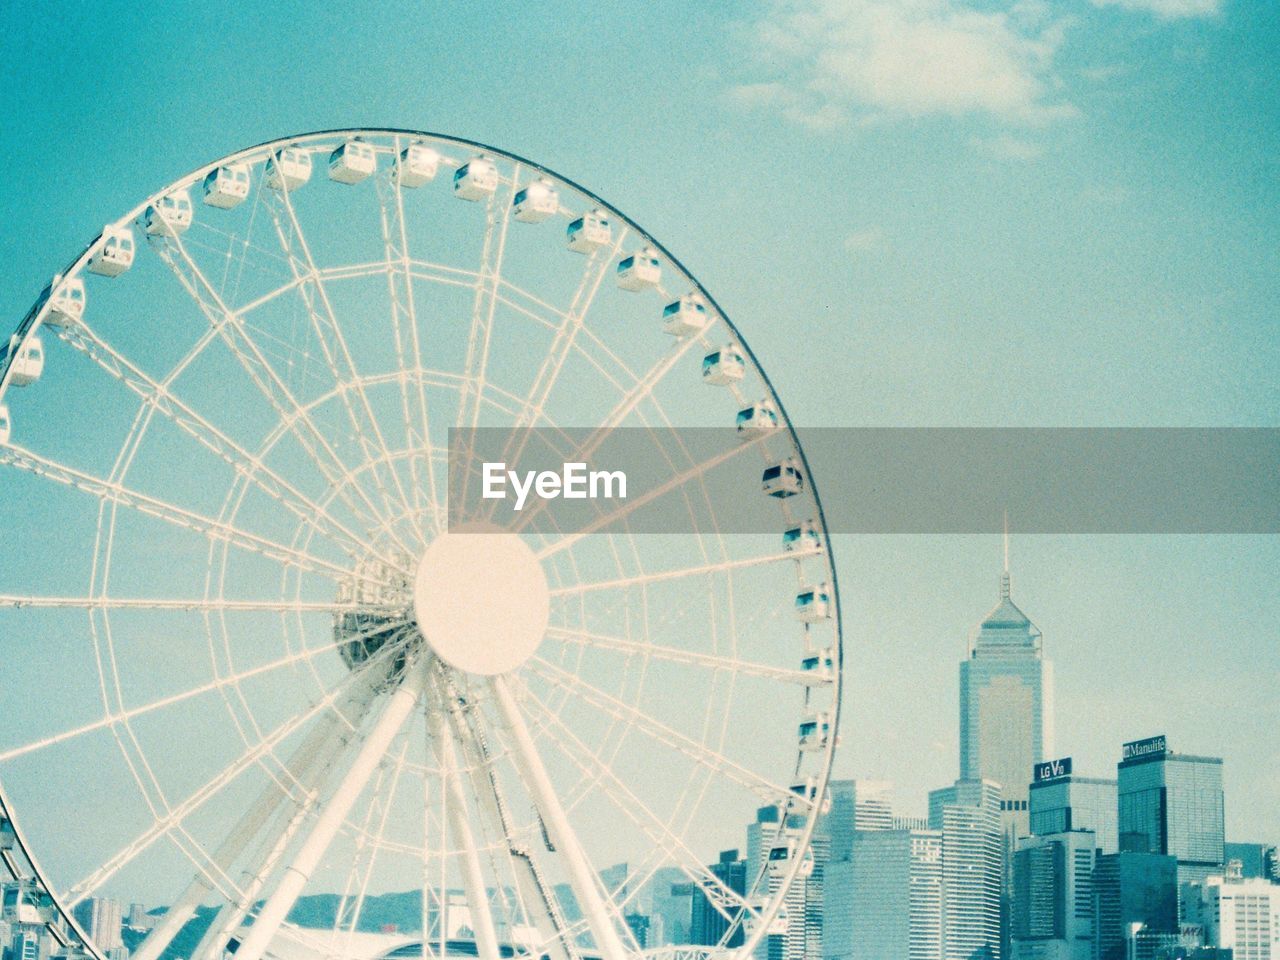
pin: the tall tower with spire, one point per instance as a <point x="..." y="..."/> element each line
<point x="1006" y="699"/>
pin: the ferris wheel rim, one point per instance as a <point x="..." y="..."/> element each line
<point x="36" y="314"/>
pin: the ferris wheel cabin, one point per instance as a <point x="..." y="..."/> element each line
<point x="685" y="316"/>
<point x="640" y="270"/>
<point x="813" y="604"/>
<point x="724" y="366"/>
<point x="783" y="479"/>
<point x="114" y="254"/>
<point x="807" y="790"/>
<point x="66" y="301"/>
<point x="288" y="169"/>
<point x="589" y="232"/>
<point x="226" y="187"/>
<point x="475" y="179"/>
<point x="28" y="360"/>
<point x="757" y="420"/>
<point x="169" y="216"/>
<point x="819" y="668"/>
<point x="804" y="537"/>
<point x="417" y="165"/>
<point x="6" y="425"/>
<point x="352" y="162"/>
<point x="815" y="732"/>
<point x="536" y="202"/>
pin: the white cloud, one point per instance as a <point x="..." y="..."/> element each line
<point x="1005" y="147"/>
<point x="1167" y="9"/>
<point x="860" y="60"/>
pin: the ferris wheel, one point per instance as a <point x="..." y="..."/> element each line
<point x="253" y="666"/>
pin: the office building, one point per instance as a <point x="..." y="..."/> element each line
<point x="1060" y="801"/>
<point x="1256" y="859"/>
<point x="856" y="805"/>
<point x="1171" y="803"/>
<point x="885" y="901"/>
<point x="968" y="815"/>
<point x="1006" y="690"/>
<point x="1132" y="890"/>
<point x="1238" y="914"/>
<point x="707" y="923"/>
<point x="1052" y="910"/>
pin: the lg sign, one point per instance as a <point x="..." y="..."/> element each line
<point x="1052" y="769"/>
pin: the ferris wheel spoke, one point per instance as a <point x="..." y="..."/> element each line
<point x="731" y="665"/>
<point x="630" y="506"/>
<point x="333" y="343"/>
<point x="115" y="493"/>
<point x="582" y="878"/>
<point x="131" y="713"/>
<point x="404" y="313"/>
<point x="702" y="570"/>
<point x="162" y="398"/>
<point x="208" y="605"/>
<point x="234" y="333"/>
<point x="659" y="832"/>
<point x="196" y="800"/>
<point x="483" y="308"/>
<point x="660" y="732"/>
<point x="295" y="877"/>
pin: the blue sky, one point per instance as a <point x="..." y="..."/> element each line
<point x="919" y="212"/>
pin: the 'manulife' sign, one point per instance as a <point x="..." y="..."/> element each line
<point x="1052" y="769"/>
<point x="1144" y="748"/>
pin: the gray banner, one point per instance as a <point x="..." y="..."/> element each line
<point x="872" y="480"/>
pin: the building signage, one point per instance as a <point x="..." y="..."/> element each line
<point x="1144" y="748"/>
<point x="1052" y="769"/>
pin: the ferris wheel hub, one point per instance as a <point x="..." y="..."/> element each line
<point x="481" y="600"/>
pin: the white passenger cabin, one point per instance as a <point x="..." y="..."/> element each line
<point x="66" y="301"/>
<point x="783" y="479"/>
<point x="475" y="179"/>
<point x="819" y="667"/>
<point x="536" y="202"/>
<point x="28" y="360"/>
<point x="115" y="254"/>
<point x="418" y="164"/>
<point x="813" y="604"/>
<point x="6" y="427"/>
<point x="227" y="187"/>
<point x="806" y="536"/>
<point x="807" y="790"/>
<point x="589" y="232"/>
<point x="685" y="316"/>
<point x="725" y="366"/>
<point x="757" y="420"/>
<point x="170" y="216"/>
<point x="641" y="269"/>
<point x="815" y="732"/>
<point x="288" y="169"/>
<point x="352" y="161"/>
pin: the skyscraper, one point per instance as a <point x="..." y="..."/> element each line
<point x="1172" y="803"/>
<point x="1006" y="690"/>
<point x="707" y="924"/>
<point x="101" y="920"/>
<point x="1132" y="889"/>
<point x="885" y="901"/>
<point x="856" y="805"/>
<point x="1052" y="914"/>
<point x="1060" y="801"/>
<point x="1240" y="915"/>
<point x="968" y="816"/>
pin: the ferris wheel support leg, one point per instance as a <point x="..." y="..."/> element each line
<point x="301" y="765"/>
<point x="231" y="914"/>
<point x="473" y="879"/>
<point x="334" y="813"/>
<point x="582" y="877"/>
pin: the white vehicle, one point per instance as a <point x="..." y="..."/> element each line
<point x="288" y="168"/>
<point x="536" y="202"/>
<point x="475" y="179"/>
<point x="170" y="216"/>
<point x="28" y="360"/>
<point x="639" y="271"/>
<point x="66" y="301"/>
<point x="114" y="254"/>
<point x="417" y="165"/>
<point x="589" y="232"/>
<point x="724" y="366"/>
<point x="352" y="162"/>
<point x="813" y="604"/>
<point x="685" y="316"/>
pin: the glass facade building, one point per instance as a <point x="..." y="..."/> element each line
<point x="968" y="816"/>
<point x="1066" y="803"/>
<point x="1172" y="804"/>
<point x="1053" y="897"/>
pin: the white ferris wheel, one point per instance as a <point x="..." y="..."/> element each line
<point x="241" y="667"/>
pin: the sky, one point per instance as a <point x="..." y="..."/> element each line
<point x="919" y="213"/>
